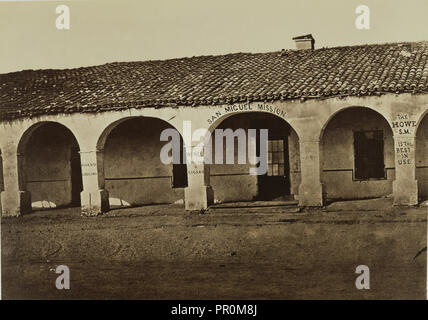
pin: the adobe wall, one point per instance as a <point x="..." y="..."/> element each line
<point x="134" y="173"/>
<point x="232" y="182"/>
<point x="294" y="158"/>
<point x="1" y="180"/>
<point x="338" y="158"/>
<point x="1" y="173"/>
<point x="422" y="158"/>
<point x="47" y="166"/>
<point x="309" y="118"/>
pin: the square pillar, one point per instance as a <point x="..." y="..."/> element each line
<point x="15" y="200"/>
<point x="405" y="186"/>
<point x="310" y="189"/>
<point x="199" y="194"/>
<point x="94" y="198"/>
<point x="15" y="203"/>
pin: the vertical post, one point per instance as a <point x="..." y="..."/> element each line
<point x="310" y="189"/>
<point x="15" y="200"/>
<point x="198" y="194"/>
<point x="94" y="198"/>
<point x="405" y="186"/>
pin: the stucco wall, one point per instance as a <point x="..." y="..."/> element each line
<point x="294" y="158"/>
<point x="1" y="180"/>
<point x="307" y="117"/>
<point x="1" y="173"/>
<point x="47" y="166"/>
<point x="338" y="155"/>
<point x="134" y="173"/>
<point x="422" y="158"/>
<point x="232" y="182"/>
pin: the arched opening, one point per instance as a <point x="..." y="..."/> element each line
<point x="133" y="171"/>
<point x="422" y="158"/>
<point x="49" y="165"/>
<point x="357" y="155"/>
<point x="233" y="182"/>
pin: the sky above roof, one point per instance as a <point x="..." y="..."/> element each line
<point x="135" y="30"/>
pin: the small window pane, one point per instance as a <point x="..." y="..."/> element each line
<point x="275" y="157"/>
<point x="275" y="169"/>
<point x="269" y="170"/>
<point x="281" y="157"/>
<point x="274" y="146"/>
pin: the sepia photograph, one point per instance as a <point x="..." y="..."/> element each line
<point x="228" y="150"/>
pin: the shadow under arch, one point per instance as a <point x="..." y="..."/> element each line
<point x="357" y="154"/>
<point x="129" y="163"/>
<point x="49" y="168"/>
<point x="232" y="182"/>
<point x="106" y="132"/>
<point x="23" y="140"/>
<point x="421" y="156"/>
<point x="420" y="120"/>
<point x="347" y="108"/>
<point x="222" y="118"/>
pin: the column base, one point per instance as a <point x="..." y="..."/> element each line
<point x="198" y="198"/>
<point x="94" y="203"/>
<point x="13" y="204"/>
<point x="311" y="195"/>
<point x="405" y="192"/>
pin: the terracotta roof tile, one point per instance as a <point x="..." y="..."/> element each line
<point x="345" y="71"/>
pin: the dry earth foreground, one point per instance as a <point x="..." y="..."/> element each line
<point x="241" y="252"/>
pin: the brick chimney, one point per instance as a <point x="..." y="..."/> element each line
<point x="304" y="42"/>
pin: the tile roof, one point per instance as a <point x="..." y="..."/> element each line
<point x="208" y="80"/>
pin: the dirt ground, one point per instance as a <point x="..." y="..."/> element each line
<point x="164" y="252"/>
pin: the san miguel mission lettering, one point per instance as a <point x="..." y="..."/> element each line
<point x="247" y="107"/>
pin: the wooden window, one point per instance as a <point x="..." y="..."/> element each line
<point x="276" y="157"/>
<point x="369" y="157"/>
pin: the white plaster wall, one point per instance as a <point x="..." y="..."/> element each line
<point x="1" y="173"/>
<point x="338" y="155"/>
<point x="232" y="182"/>
<point x="133" y="170"/>
<point x="308" y="118"/>
<point x="47" y="166"/>
<point x="422" y="158"/>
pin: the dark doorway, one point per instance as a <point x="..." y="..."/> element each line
<point x="179" y="170"/>
<point x="275" y="184"/>
<point x="369" y="155"/>
<point x="76" y="176"/>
